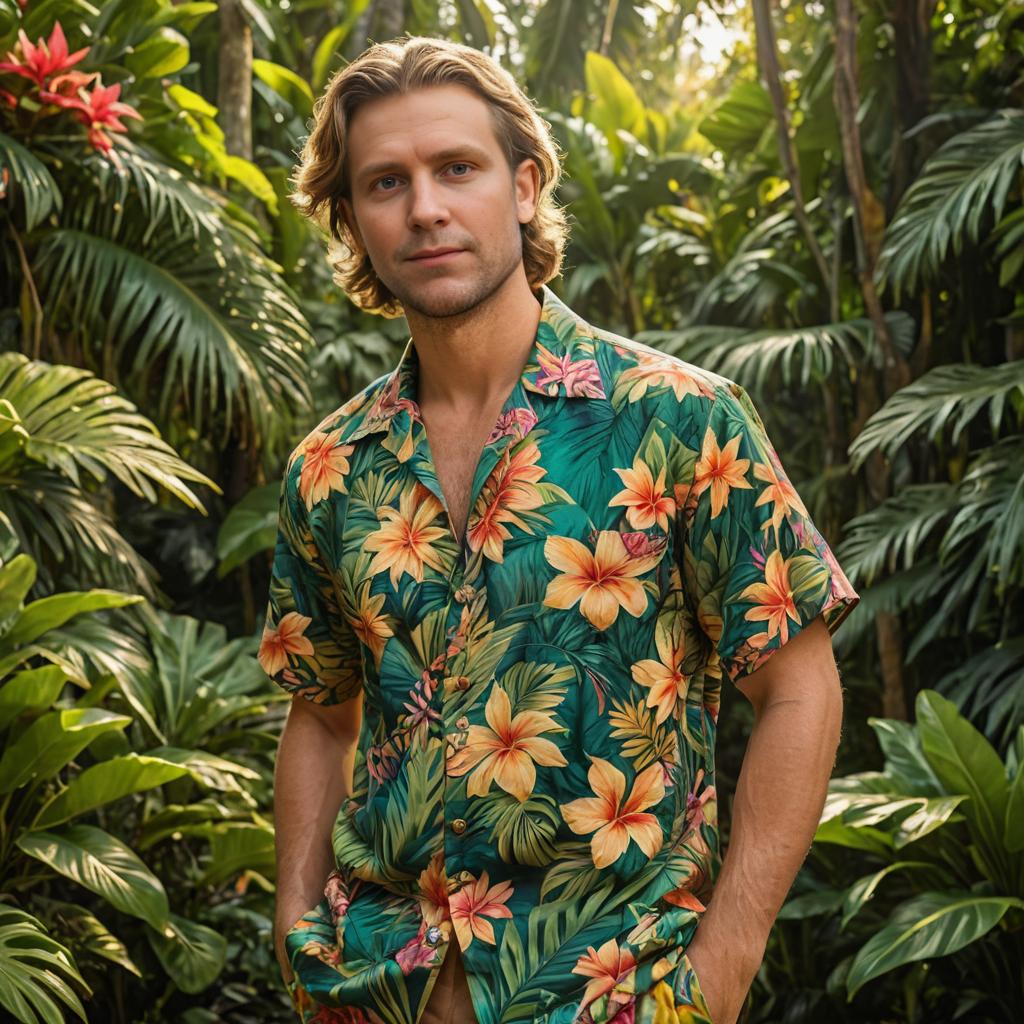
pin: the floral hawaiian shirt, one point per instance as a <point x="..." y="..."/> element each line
<point x="535" y="774"/>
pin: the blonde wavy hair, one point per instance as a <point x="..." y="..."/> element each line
<point x="396" y="67"/>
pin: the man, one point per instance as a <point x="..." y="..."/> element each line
<point x="509" y="578"/>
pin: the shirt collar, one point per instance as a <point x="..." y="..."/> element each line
<point x="562" y="363"/>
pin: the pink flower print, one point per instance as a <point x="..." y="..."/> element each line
<point x="639" y="544"/>
<point x="417" y="952"/>
<point x="581" y="378"/>
<point x="518" y="422"/>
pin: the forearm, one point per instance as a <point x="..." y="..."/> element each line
<point x="311" y="779"/>
<point x="780" y="792"/>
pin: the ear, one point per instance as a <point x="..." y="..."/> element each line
<point x="349" y="216"/>
<point x="527" y="188"/>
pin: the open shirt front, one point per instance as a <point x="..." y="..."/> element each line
<point x="535" y="775"/>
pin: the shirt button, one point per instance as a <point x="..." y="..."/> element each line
<point x="459" y="826"/>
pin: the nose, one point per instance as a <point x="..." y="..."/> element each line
<point x="427" y="205"/>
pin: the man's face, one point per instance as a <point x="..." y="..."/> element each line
<point x="428" y="173"/>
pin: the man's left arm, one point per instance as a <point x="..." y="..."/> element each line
<point x="780" y="792"/>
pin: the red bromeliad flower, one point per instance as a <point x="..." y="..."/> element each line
<point x="63" y="89"/>
<point x="47" y="58"/>
<point x="101" y="109"/>
<point x="48" y="64"/>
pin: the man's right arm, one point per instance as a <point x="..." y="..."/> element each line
<point x="313" y="775"/>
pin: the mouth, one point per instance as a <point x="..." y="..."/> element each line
<point x="430" y="257"/>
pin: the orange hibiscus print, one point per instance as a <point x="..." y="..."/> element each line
<point x="607" y="967"/>
<point x="665" y="678"/>
<point x="370" y="626"/>
<point x="287" y="638"/>
<point x="615" y="821"/>
<point x="644" y="497"/>
<point x="473" y="904"/>
<point x="602" y="581"/>
<point x="405" y="543"/>
<point x="324" y="467"/>
<point x="507" y="493"/>
<point x="780" y="492"/>
<point x="774" y="597"/>
<point x="507" y="751"/>
<point x="720" y="469"/>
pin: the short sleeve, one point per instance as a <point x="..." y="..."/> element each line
<point x="307" y="646"/>
<point x="755" y="566"/>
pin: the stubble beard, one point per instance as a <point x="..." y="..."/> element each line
<point x="492" y="277"/>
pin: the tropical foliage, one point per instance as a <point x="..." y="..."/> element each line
<point x="829" y="211"/>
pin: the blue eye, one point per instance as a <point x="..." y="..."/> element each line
<point x="461" y="165"/>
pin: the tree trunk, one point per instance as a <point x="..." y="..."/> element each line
<point x="234" y="80"/>
<point x="911" y="21"/>
<point x="768" y="60"/>
<point x="869" y="228"/>
<point x="234" y="104"/>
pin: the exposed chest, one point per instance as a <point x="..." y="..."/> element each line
<point x="455" y="446"/>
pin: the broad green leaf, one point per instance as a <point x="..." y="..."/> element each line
<point x="864" y="888"/>
<point x="811" y="904"/>
<point x="30" y="690"/>
<point x="905" y="762"/>
<point x="16" y="579"/>
<point x="161" y="53"/>
<point x="191" y="101"/>
<point x="328" y="50"/>
<point x="965" y="762"/>
<point x="106" y="782"/>
<point x="50" y="612"/>
<point x="740" y="122"/>
<point x="183" y="819"/>
<point x="208" y="769"/>
<point x="104" y="865"/>
<point x="34" y="969"/>
<point x="862" y="838"/>
<point x="616" y="107"/>
<point x="930" y="815"/>
<point x="929" y="925"/>
<point x="1014" y="825"/>
<point x="239" y="846"/>
<point x="92" y="933"/>
<point x="51" y="741"/>
<point x="251" y="178"/>
<point x="13" y="438"/>
<point x="288" y="84"/>
<point x="870" y="810"/>
<point x="192" y="954"/>
<point x="248" y="528"/>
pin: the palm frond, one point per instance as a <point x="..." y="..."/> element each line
<point x="991" y="513"/>
<point x="798" y="355"/>
<point x="76" y="421"/>
<point x="990" y="684"/>
<point x="52" y="517"/>
<point x="952" y="394"/>
<point x="151" y="310"/>
<point x="172" y="280"/>
<point x="30" y="180"/>
<point x="905" y="589"/>
<point x="888" y="537"/>
<point x="968" y="177"/>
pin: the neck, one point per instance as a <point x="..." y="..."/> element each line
<point x="468" y="362"/>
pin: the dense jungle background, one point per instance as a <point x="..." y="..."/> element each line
<point x="821" y="200"/>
